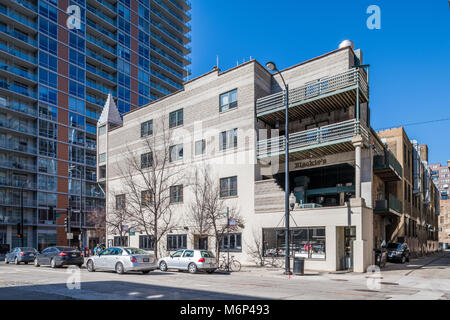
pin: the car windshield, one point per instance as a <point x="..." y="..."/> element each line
<point x="207" y="254"/>
<point x="28" y="249"/>
<point x="394" y="245"/>
<point x="135" y="251"/>
<point x="66" y="249"/>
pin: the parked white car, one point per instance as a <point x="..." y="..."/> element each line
<point x="122" y="259"/>
<point x="191" y="260"/>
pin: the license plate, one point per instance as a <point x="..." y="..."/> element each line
<point x="146" y="260"/>
<point x="74" y="255"/>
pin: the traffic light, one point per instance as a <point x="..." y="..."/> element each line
<point x="66" y="225"/>
<point x="19" y="230"/>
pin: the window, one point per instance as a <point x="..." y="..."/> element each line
<point x="48" y="78"/>
<point x="102" y="157"/>
<point x="200" y="147"/>
<point x="176" y="242"/>
<point x="124" y="93"/>
<point x="48" y="61"/>
<point x="48" y="11"/>
<point x="228" y="100"/>
<point x="147" y="242"/>
<point x="76" y="120"/>
<point x="146" y="128"/>
<point x="124" y="80"/>
<point x="47" y="165"/>
<point x="76" y="154"/>
<point x="120" y="201"/>
<point x="143" y="76"/>
<point x="48" y="95"/>
<point x="176" y="118"/>
<point x="47" y="148"/>
<point x="76" y="89"/>
<point x="228" y="187"/>
<point x="47" y="183"/>
<point x="76" y="137"/>
<point x="305" y="242"/>
<point x="76" y="73"/>
<point x="176" y="194"/>
<point x="48" y="44"/>
<point x="146" y="160"/>
<point x="233" y="242"/>
<point x="76" y="57"/>
<point x="119" y="242"/>
<point x="102" y="130"/>
<point x="76" y="105"/>
<point x="146" y="197"/>
<point x="48" y="28"/>
<point x="76" y="42"/>
<point x="47" y="129"/>
<point x="48" y="112"/>
<point x="228" y="139"/>
<point x="176" y="153"/>
<point x="123" y="52"/>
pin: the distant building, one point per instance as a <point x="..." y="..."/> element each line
<point x="441" y="177"/>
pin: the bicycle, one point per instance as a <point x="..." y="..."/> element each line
<point x="234" y="266"/>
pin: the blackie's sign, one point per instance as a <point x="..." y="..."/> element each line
<point x="310" y="163"/>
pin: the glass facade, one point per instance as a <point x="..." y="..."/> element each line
<point x="55" y="76"/>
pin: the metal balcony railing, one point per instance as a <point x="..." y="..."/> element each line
<point x="18" y="164"/>
<point x="16" y="202"/>
<point x="17" y="127"/>
<point x="387" y="160"/>
<point x="330" y="133"/>
<point x="392" y="203"/>
<point x="17" y="53"/>
<point x="17" y="106"/>
<point x="15" y="146"/>
<point x="26" y="4"/>
<point x="308" y="91"/>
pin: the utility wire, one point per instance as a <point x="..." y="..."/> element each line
<point x="416" y="123"/>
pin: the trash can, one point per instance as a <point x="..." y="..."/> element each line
<point x="299" y="265"/>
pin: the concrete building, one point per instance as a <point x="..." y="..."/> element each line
<point x="417" y="224"/>
<point x="342" y="174"/>
<point x="59" y="60"/>
<point x="441" y="177"/>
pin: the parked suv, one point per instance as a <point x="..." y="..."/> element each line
<point x="191" y="260"/>
<point x="398" y="252"/>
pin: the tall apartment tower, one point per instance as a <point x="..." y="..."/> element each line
<point x="59" y="61"/>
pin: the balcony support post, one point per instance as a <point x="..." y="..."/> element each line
<point x="357" y="99"/>
<point x="358" y="143"/>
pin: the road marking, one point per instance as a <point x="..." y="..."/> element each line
<point x="156" y="296"/>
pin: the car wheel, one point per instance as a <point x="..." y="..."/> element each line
<point x="403" y="259"/>
<point x="26" y="262"/>
<point x="119" y="268"/>
<point x="210" y="271"/>
<point x="53" y="263"/>
<point x="90" y="266"/>
<point x="16" y="261"/>
<point x="407" y="259"/>
<point x="146" y="271"/>
<point x="192" y="268"/>
<point x="36" y="264"/>
<point x="6" y="260"/>
<point x="163" y="266"/>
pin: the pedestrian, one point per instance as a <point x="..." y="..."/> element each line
<point x="98" y="249"/>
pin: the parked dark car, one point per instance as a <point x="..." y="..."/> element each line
<point x="398" y="252"/>
<point x="18" y="255"/>
<point x="59" y="256"/>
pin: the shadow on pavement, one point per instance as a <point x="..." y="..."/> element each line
<point x="111" y="290"/>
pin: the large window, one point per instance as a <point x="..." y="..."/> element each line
<point x="47" y="129"/>
<point x="200" y="147"/>
<point x="228" y="187"/>
<point x="176" y="194"/>
<point x="48" y="112"/>
<point x="228" y="139"/>
<point x="176" y="118"/>
<point x="147" y="128"/>
<point x="176" y="241"/>
<point x="47" y="148"/>
<point x="146" y="242"/>
<point x="47" y="165"/>
<point x="120" y="241"/>
<point x="47" y="183"/>
<point x="146" y="197"/>
<point x="304" y="242"/>
<point x="120" y="201"/>
<point x="176" y="153"/>
<point x="228" y="100"/>
<point x="232" y="241"/>
<point x="146" y="160"/>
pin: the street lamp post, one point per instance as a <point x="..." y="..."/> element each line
<point x="272" y="67"/>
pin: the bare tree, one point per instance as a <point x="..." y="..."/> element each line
<point x="255" y="249"/>
<point x="147" y="178"/>
<point x="208" y="210"/>
<point x="117" y="217"/>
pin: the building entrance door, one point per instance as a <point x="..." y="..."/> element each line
<point x="349" y="238"/>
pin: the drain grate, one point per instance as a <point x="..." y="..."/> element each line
<point x="339" y="279"/>
<point x="389" y="283"/>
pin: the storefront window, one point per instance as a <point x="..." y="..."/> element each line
<point x="304" y="242"/>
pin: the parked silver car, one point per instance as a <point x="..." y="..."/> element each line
<point x="191" y="260"/>
<point x="122" y="259"/>
<point x="18" y="255"/>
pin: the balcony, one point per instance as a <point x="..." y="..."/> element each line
<point x="17" y="107"/>
<point x="390" y="206"/>
<point x="330" y="139"/>
<point x="18" y="54"/>
<point x="18" y="165"/>
<point x="18" y="147"/>
<point x="17" y="127"/>
<point x="321" y="96"/>
<point x="17" y="184"/>
<point x="387" y="167"/>
<point x="6" y="201"/>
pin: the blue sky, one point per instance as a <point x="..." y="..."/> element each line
<point x="409" y="55"/>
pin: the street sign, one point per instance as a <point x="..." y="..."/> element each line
<point x="124" y="228"/>
<point x="69" y="236"/>
<point x="132" y="232"/>
<point x="232" y="222"/>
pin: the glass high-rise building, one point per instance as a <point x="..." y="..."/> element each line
<point x="59" y="59"/>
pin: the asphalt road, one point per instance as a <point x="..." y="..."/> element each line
<point x="426" y="278"/>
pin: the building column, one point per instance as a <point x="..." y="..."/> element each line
<point x="357" y="143"/>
